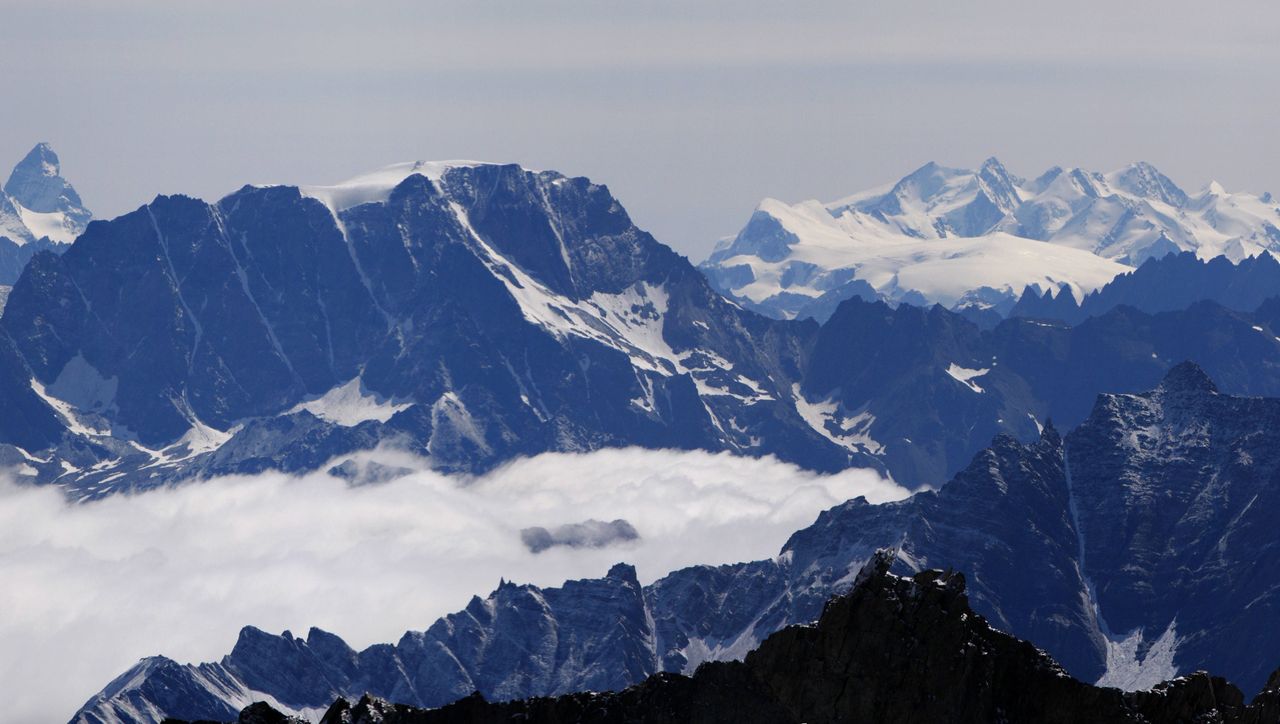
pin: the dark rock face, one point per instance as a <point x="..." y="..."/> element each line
<point x="27" y="420"/>
<point x="1202" y="560"/>
<point x="893" y="650"/>
<point x="932" y="389"/>
<point x="1163" y="284"/>
<point x="1134" y="548"/>
<point x="14" y="258"/>
<point x="504" y="312"/>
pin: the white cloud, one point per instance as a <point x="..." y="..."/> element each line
<point x="89" y="589"/>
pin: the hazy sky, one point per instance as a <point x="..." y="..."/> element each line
<point x="690" y="110"/>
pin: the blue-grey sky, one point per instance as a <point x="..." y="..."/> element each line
<point x="690" y="110"/>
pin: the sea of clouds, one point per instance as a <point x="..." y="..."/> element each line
<point x="91" y="588"/>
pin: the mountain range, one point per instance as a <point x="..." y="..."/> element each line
<point x="894" y="649"/>
<point x="978" y="238"/>
<point x="473" y="313"/>
<point x="39" y="210"/>
<point x="1134" y="548"/>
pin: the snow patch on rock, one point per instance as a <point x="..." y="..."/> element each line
<point x="1131" y="671"/>
<point x="966" y="376"/>
<point x="350" y="404"/>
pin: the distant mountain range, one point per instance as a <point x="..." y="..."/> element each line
<point x="1137" y="547"/>
<point x="39" y="210"/>
<point x="475" y="312"/>
<point x="978" y="238"/>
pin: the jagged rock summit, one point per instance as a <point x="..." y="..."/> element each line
<point x="1187" y="378"/>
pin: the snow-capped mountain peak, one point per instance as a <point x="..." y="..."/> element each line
<point x="39" y="209"/>
<point x="960" y="237"/>
<point x="50" y="205"/>
<point x="1143" y="180"/>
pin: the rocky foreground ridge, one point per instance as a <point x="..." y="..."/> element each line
<point x="895" y="649"/>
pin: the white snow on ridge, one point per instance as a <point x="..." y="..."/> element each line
<point x="1128" y="671"/>
<point x="852" y="431"/>
<point x="966" y="376"/>
<point x="943" y="270"/>
<point x="632" y="321"/>
<point x="697" y="652"/>
<point x="958" y="236"/>
<point x="376" y="186"/>
<point x="350" y="404"/>
<point x="69" y="414"/>
<point x="54" y="225"/>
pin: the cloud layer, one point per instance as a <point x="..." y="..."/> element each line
<point x="92" y="588"/>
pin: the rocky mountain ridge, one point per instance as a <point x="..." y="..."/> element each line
<point x="1174" y="282"/>
<point x="1133" y="549"/>
<point x="894" y="649"/>
<point x="663" y="362"/>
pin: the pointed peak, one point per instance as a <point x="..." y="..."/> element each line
<point x="1215" y="189"/>
<point x="1187" y="377"/>
<point x="1142" y="179"/>
<point x="37" y="184"/>
<point x="1043" y="181"/>
<point x="928" y="170"/>
<point x="1049" y="433"/>
<point x="1000" y="182"/>
<point x="992" y="163"/>
<point x="877" y="566"/>
<point x="624" y="572"/>
<point x="252" y="639"/>
<point x="42" y="152"/>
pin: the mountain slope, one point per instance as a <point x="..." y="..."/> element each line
<point x="968" y="239"/>
<point x="1133" y="549"/>
<point x="472" y="312"/>
<point x="926" y="389"/>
